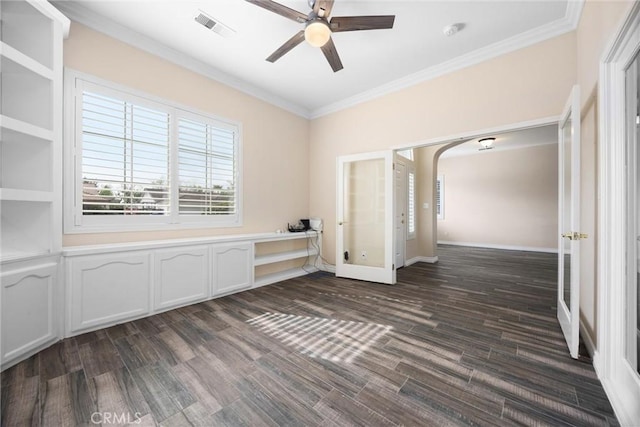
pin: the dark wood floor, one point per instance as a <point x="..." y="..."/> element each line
<point x="472" y="340"/>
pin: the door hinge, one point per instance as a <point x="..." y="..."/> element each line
<point x="393" y="266"/>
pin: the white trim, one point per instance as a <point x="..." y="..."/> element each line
<point x="106" y="26"/>
<point x="621" y="384"/>
<point x="588" y="340"/>
<point x="473" y="134"/>
<point x="536" y="35"/>
<point x="502" y="247"/>
<point x="428" y="259"/>
<point x="329" y="268"/>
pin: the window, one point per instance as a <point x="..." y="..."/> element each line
<point x="440" y="197"/>
<point x="145" y="164"/>
<point x="411" y="199"/>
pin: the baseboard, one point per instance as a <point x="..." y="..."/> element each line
<point x="503" y="247"/>
<point x="429" y="259"/>
<point x="588" y="341"/>
<point x="328" y="268"/>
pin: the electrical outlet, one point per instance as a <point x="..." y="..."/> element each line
<point x="363" y="255"/>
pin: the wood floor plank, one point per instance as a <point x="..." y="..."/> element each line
<point x="66" y="401"/>
<point x="99" y="356"/>
<point x="117" y="394"/>
<point x="59" y="359"/>
<point x="20" y="402"/>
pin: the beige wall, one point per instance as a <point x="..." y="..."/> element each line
<point x="275" y="142"/>
<point x="501" y="198"/>
<point x="527" y="84"/>
<point x="598" y="24"/>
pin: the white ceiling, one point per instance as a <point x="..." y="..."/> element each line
<point x="375" y="62"/>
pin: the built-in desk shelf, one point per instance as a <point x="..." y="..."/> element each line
<point x="284" y="256"/>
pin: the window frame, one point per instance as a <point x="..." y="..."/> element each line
<point x="75" y="222"/>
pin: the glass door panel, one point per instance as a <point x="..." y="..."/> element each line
<point x="365" y="217"/>
<point x="569" y="222"/>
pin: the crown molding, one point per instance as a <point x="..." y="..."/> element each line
<point x="536" y="35"/>
<point x="84" y="16"/>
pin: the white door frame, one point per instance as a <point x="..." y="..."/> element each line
<point x="619" y="380"/>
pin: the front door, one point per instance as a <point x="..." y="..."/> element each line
<point x="365" y="214"/>
<point x="569" y="222"/>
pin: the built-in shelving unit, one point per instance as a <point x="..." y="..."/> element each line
<point x="30" y="128"/>
<point x="286" y="255"/>
<point x="31" y="37"/>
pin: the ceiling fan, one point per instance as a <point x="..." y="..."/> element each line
<point x="319" y="27"/>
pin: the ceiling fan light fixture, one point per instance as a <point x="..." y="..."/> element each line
<point x="317" y="33"/>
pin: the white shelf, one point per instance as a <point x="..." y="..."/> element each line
<point x="26" y="62"/>
<point x="24" y="128"/>
<point x="279" y="276"/>
<point x="20" y="195"/>
<point x="284" y="256"/>
<point x="26" y="95"/>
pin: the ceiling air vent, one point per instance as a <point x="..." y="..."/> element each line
<point x="213" y="24"/>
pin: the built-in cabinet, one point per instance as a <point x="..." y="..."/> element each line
<point x="232" y="267"/>
<point x="181" y="276"/>
<point x="31" y="37"/>
<point x="111" y="284"/>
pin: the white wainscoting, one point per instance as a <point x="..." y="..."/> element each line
<point x="28" y="309"/>
<point x="181" y="276"/>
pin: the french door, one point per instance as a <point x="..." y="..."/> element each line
<point x="365" y="215"/>
<point x="569" y="222"/>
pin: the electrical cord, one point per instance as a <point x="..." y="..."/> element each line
<point x="313" y="244"/>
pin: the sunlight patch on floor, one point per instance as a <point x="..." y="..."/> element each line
<point x="321" y="337"/>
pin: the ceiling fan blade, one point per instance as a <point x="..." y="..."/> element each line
<point x="325" y="6"/>
<point x="287" y="46"/>
<point x="280" y="9"/>
<point x="330" y="52"/>
<point x="357" y="23"/>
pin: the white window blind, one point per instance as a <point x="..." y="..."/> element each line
<point x="137" y="162"/>
<point x="411" y="220"/>
<point x="125" y="158"/>
<point x="206" y="169"/>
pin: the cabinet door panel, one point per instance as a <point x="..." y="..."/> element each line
<point x="232" y="267"/>
<point x="106" y="288"/>
<point x="27" y="309"/>
<point x="181" y="276"/>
